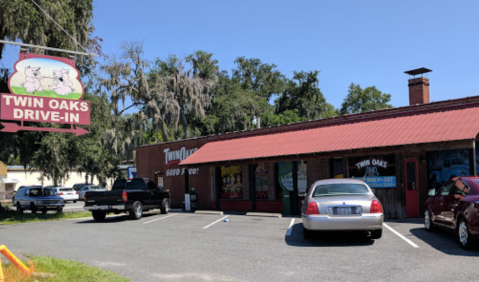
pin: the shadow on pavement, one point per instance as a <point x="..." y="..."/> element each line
<point x="328" y="239"/>
<point x="116" y="218"/>
<point x="444" y="241"/>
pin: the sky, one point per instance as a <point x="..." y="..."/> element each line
<point x="362" y="42"/>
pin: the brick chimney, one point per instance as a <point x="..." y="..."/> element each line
<point x="418" y="87"/>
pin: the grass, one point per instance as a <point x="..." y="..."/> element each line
<point x="11" y="217"/>
<point x="45" y="93"/>
<point x="59" y="270"/>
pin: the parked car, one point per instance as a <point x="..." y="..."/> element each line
<point x="341" y="205"/>
<point x="34" y="198"/>
<point x="68" y="194"/>
<point x="77" y="187"/>
<point x="85" y="188"/>
<point x="455" y="207"/>
<point x="132" y="195"/>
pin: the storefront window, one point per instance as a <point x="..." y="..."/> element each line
<point x="338" y="168"/>
<point x="376" y="171"/>
<point x="232" y="187"/>
<point x="261" y="181"/>
<point x="445" y="165"/>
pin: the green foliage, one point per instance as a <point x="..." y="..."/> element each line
<point x="22" y="20"/>
<point x="263" y="79"/>
<point x="361" y="100"/>
<point x="302" y="93"/>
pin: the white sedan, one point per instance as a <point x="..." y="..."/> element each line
<point x="68" y="194"/>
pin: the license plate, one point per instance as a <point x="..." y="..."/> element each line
<point x="344" y="211"/>
<point x="101" y="207"/>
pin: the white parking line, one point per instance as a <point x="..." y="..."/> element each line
<point x="160" y="218"/>
<point x="401" y="236"/>
<point x="215" y="222"/>
<point x="290" y="229"/>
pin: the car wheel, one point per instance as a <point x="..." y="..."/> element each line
<point x="307" y="234"/>
<point x="428" y="221"/>
<point x="165" y="206"/>
<point x="60" y="209"/>
<point x="136" y="211"/>
<point x="19" y="208"/>
<point x="44" y="211"/>
<point x="376" y="234"/>
<point x="74" y="201"/>
<point x="98" y="215"/>
<point x="33" y="208"/>
<point x="464" y="235"/>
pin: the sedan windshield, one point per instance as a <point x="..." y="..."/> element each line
<point x="340" y="189"/>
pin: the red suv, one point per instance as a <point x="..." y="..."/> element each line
<point x="455" y="206"/>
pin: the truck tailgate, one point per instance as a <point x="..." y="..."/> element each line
<point x="103" y="198"/>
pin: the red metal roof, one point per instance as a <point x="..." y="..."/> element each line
<point x="452" y="125"/>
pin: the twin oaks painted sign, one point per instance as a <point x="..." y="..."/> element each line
<point x="44" y="89"/>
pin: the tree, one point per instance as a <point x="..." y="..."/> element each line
<point x="191" y="89"/>
<point x="302" y="93"/>
<point x="361" y="100"/>
<point x="23" y="20"/>
<point x="262" y="79"/>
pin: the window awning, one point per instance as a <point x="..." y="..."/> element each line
<point x="462" y="124"/>
<point x="10" y="180"/>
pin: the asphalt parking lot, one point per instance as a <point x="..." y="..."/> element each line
<point x="199" y="247"/>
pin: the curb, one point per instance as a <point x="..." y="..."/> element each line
<point x="264" y="214"/>
<point x="210" y="212"/>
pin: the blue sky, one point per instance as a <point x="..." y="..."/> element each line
<point x="364" y="42"/>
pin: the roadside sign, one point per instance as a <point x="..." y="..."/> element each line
<point x="44" y="89"/>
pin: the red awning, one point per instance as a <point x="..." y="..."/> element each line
<point x="451" y="125"/>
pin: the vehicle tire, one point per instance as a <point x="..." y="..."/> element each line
<point x="376" y="234"/>
<point x="59" y="209"/>
<point x="74" y="201"/>
<point x="136" y="211"/>
<point x="33" y="208"/>
<point x="428" y="225"/>
<point x="19" y="208"/>
<point x="98" y="215"/>
<point x="165" y="206"/>
<point x="44" y="211"/>
<point x="464" y="235"/>
<point x="307" y="234"/>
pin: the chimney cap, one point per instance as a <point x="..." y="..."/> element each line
<point x="418" y="71"/>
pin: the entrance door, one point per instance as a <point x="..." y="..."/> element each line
<point x="412" y="198"/>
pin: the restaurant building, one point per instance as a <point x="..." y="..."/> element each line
<point x="401" y="153"/>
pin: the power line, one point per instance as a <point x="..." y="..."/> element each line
<point x="60" y="27"/>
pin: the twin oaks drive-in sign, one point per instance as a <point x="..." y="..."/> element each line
<point x="44" y="89"/>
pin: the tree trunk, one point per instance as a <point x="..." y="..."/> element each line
<point x="184" y="122"/>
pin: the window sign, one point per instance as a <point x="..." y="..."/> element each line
<point x="285" y="175"/>
<point x="376" y="171"/>
<point x="261" y="181"/>
<point x="232" y="185"/>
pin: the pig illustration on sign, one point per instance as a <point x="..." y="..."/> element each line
<point x="62" y="84"/>
<point x="32" y="77"/>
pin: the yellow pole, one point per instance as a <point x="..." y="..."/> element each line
<point x="1" y="272"/>
<point x="13" y="259"/>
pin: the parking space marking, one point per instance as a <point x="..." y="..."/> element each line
<point x="290" y="228"/>
<point x="215" y="222"/>
<point x="160" y="218"/>
<point x="401" y="236"/>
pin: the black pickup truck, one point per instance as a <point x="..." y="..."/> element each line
<point x="132" y="195"/>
